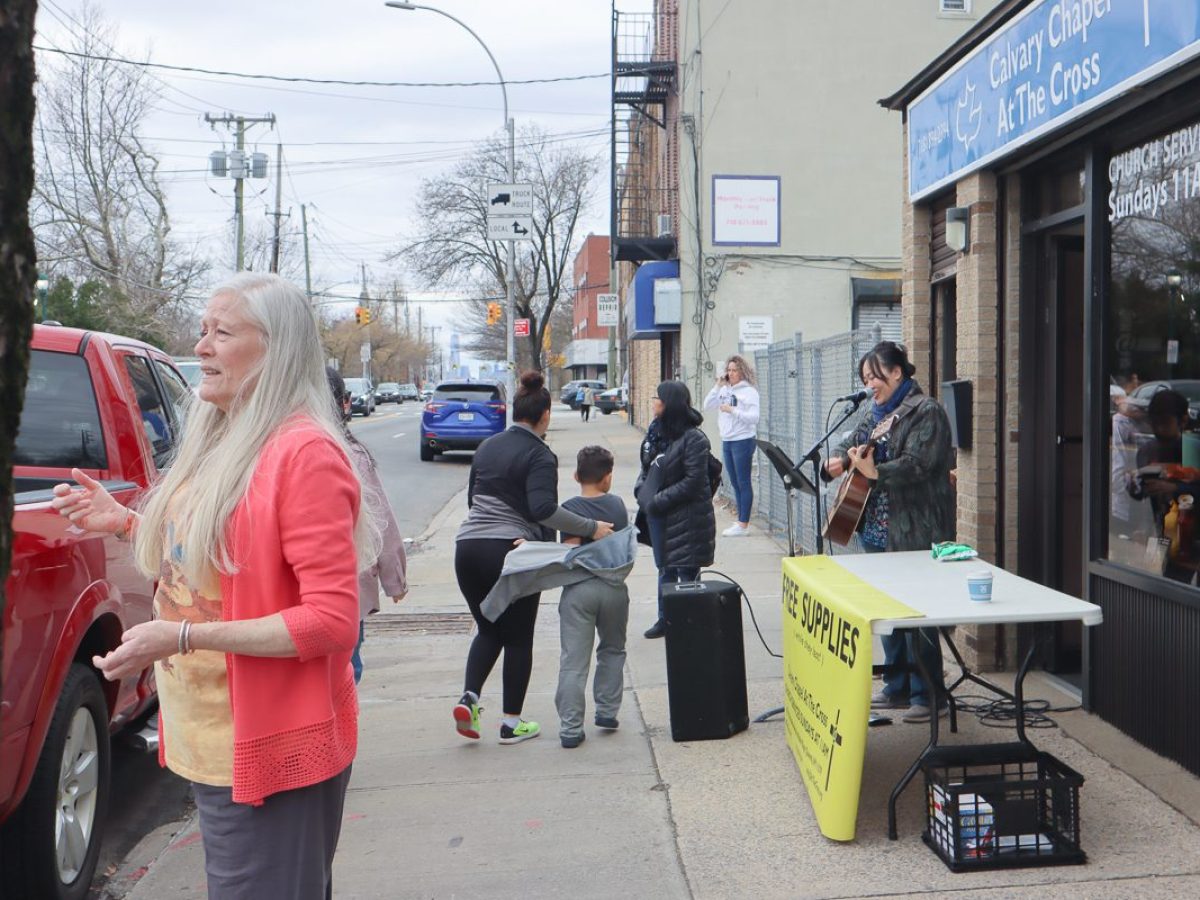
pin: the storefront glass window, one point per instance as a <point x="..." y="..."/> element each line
<point x="1056" y="189"/>
<point x="1153" y="355"/>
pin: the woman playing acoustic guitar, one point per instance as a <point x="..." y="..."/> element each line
<point x="911" y="504"/>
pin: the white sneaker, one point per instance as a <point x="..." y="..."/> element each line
<point x="737" y="529"/>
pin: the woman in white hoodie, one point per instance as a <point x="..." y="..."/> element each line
<point x="735" y="395"/>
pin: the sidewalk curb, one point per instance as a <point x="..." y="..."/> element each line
<point x="147" y="855"/>
<point x="440" y="517"/>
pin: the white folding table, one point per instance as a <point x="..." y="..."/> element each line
<point x="938" y="590"/>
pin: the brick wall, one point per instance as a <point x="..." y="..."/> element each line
<point x="914" y="249"/>
<point x="978" y="362"/>
<point x="645" y="364"/>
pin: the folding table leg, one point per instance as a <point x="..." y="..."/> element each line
<point x="936" y="696"/>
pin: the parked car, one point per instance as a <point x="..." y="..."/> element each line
<point x="461" y="415"/>
<point x="112" y="407"/>
<point x="388" y="392"/>
<point x="190" y="367"/>
<point x="1189" y="387"/>
<point x="571" y="390"/>
<point x="611" y="400"/>
<point x="362" y="396"/>
<point x="409" y="392"/>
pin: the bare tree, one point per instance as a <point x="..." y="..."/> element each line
<point x="260" y="240"/>
<point x="18" y="258"/>
<point x="99" y="210"/>
<point x="395" y="355"/>
<point x="456" y="252"/>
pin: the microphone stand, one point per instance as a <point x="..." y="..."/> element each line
<point x="814" y="456"/>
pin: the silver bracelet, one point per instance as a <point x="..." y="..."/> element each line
<point x="185" y="637"/>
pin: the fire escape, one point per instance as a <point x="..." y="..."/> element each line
<point x="644" y="164"/>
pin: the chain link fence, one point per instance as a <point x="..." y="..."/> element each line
<point x="798" y="385"/>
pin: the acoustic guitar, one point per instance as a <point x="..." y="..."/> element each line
<point x="847" y="509"/>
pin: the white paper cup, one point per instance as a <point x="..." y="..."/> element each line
<point x="979" y="586"/>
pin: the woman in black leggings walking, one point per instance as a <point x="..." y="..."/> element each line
<point x="513" y="497"/>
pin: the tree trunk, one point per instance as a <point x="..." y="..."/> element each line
<point x="18" y="260"/>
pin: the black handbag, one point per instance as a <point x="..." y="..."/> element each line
<point x="647" y="487"/>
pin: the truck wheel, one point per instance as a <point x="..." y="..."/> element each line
<point x="51" y="844"/>
<point x="426" y="453"/>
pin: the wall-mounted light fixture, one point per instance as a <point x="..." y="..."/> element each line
<point x="958" y="228"/>
<point x="1174" y="278"/>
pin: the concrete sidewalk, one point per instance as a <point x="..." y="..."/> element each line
<point x="633" y="814"/>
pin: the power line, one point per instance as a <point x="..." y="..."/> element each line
<point x="297" y="79"/>
<point x="393" y="100"/>
<point x="59" y="13"/>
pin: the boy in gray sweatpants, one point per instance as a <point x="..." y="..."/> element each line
<point x="589" y="608"/>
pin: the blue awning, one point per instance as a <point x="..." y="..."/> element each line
<point x="639" y="315"/>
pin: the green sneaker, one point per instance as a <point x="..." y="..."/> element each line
<point x="523" y="732"/>
<point x="466" y="717"/>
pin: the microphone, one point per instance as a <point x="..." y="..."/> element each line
<point x="856" y="397"/>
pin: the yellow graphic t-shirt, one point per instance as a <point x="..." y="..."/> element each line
<point x="193" y="690"/>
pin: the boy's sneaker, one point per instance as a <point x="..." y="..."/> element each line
<point x="466" y="717"/>
<point x="571" y="741"/>
<point x="523" y="732"/>
<point x="608" y="723"/>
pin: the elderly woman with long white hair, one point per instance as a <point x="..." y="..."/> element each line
<point x="255" y="535"/>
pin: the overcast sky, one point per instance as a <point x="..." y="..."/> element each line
<point x="355" y="155"/>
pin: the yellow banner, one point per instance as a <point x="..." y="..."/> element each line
<point x="827" y="615"/>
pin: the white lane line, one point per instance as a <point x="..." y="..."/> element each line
<point x="401" y="434"/>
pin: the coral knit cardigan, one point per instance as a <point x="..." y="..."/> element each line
<point x="295" y="719"/>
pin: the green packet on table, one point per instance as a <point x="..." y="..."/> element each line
<point x="948" y="551"/>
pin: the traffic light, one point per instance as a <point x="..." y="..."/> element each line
<point x="362" y="315"/>
<point x="493" y="313"/>
<point x="366" y="316"/>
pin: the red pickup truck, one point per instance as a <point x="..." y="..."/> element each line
<point x="111" y="407"/>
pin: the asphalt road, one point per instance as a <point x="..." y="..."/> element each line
<point x="417" y="490"/>
<point x="145" y="796"/>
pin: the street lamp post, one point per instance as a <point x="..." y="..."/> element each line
<point x="41" y="294"/>
<point x="510" y="363"/>
<point x="1174" y="283"/>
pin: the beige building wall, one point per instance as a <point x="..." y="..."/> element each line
<point x="790" y="88"/>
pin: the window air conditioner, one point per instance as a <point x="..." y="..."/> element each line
<point x="663" y="228"/>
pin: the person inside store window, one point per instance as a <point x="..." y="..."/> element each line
<point x="1166" y="484"/>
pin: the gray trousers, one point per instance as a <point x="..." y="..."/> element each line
<point x="282" y="849"/>
<point x="588" y="609"/>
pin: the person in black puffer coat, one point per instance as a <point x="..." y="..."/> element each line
<point x="676" y="494"/>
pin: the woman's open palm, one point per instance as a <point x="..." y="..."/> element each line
<point x="89" y="506"/>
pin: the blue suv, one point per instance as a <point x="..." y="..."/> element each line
<point x="461" y="415"/>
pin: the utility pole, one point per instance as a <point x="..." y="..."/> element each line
<point x="307" y="263"/>
<point x="239" y="169"/>
<point x="364" y="300"/>
<point x="421" y="344"/>
<point x="278" y="203"/>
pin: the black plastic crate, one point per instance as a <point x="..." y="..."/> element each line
<point x="992" y="806"/>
